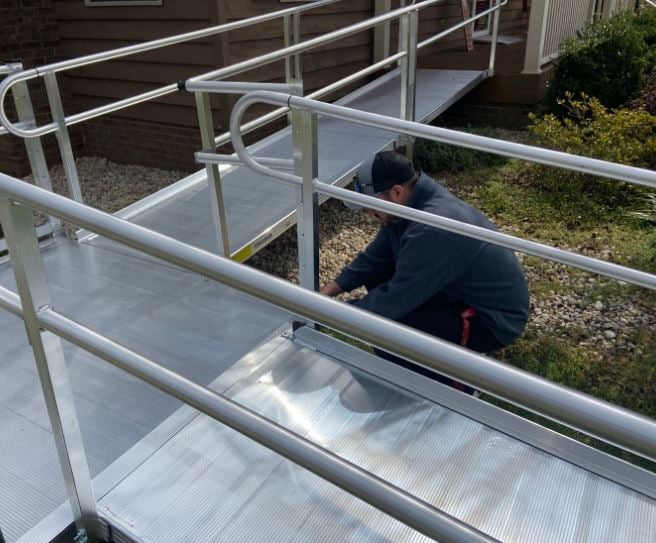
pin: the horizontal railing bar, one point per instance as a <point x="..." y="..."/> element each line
<point x="11" y="302"/>
<point x="530" y="153"/>
<point x="84" y="115"/>
<point x="622" y="273"/>
<point x="231" y="87"/>
<point x="216" y="158"/>
<point x="224" y="138"/>
<point x="348" y="476"/>
<point x="608" y="269"/>
<point x="460" y="25"/>
<point x="608" y="422"/>
<point x="222" y="73"/>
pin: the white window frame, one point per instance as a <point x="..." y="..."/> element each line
<point x="488" y="24"/>
<point x="103" y="3"/>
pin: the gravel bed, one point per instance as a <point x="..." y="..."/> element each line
<point x="607" y="325"/>
<point x="109" y="186"/>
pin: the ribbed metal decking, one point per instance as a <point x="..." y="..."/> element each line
<point x="200" y="481"/>
<point x="184" y="322"/>
<point x="342" y="146"/>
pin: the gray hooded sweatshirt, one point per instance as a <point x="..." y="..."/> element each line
<point x="408" y="263"/>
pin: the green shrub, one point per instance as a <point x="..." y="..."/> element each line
<point x="590" y="129"/>
<point x="645" y="22"/>
<point x="606" y="61"/>
<point x="435" y="157"/>
<point x="629" y="383"/>
<point x="551" y="357"/>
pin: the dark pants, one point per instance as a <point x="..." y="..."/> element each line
<point x="442" y="318"/>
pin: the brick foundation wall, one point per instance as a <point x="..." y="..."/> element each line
<point x="127" y="141"/>
<point x="29" y="35"/>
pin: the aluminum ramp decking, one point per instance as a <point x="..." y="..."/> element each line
<point x="176" y="318"/>
<point x="342" y="146"/>
<point x="199" y="481"/>
<point x="193" y="326"/>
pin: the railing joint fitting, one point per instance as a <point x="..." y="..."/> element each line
<point x="43" y="309"/>
<point x="81" y="536"/>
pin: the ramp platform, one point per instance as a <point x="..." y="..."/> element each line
<point x="193" y="479"/>
<point x="342" y="146"/>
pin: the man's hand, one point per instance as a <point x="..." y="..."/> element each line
<point x="331" y="289"/>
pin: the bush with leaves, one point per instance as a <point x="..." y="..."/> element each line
<point x="590" y="129"/>
<point x="435" y="157"/>
<point x="645" y="22"/>
<point x="607" y="60"/>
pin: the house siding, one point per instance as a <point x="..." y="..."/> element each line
<point x="163" y="132"/>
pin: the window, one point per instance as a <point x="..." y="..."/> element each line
<point x="482" y="25"/>
<point x="98" y="3"/>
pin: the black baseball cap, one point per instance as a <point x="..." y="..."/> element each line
<point x="381" y="172"/>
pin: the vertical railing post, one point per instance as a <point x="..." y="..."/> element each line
<point x="408" y="35"/>
<point x="382" y="31"/>
<point x="304" y="128"/>
<point x="293" y="64"/>
<point x="537" y="29"/>
<point x="35" y="154"/>
<point x="63" y="139"/>
<point x="219" y="218"/>
<point x="29" y="273"/>
<point x="495" y="37"/>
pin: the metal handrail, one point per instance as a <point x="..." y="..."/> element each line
<point x="536" y="154"/>
<point x="608" y="422"/>
<point x="548" y="157"/>
<point x="112" y="54"/>
<point x="381" y="494"/>
<point x="224" y="138"/>
<point x="220" y="73"/>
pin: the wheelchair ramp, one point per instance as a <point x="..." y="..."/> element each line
<point x="196" y="480"/>
<point x="342" y="146"/>
<point x="190" y="325"/>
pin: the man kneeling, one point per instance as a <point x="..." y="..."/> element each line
<point x="454" y="287"/>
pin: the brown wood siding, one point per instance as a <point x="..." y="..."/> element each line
<point x="321" y="66"/>
<point x="84" y="30"/>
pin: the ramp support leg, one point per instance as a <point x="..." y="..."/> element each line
<point x="304" y="128"/>
<point x="63" y="138"/>
<point x="219" y="219"/>
<point x="293" y="63"/>
<point x="408" y="36"/>
<point x="32" y="284"/>
<point x="382" y="31"/>
<point x="495" y="37"/>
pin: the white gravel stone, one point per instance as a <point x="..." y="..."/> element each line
<point x="598" y="305"/>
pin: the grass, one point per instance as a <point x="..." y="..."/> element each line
<point x="574" y="221"/>
<point x="511" y="194"/>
